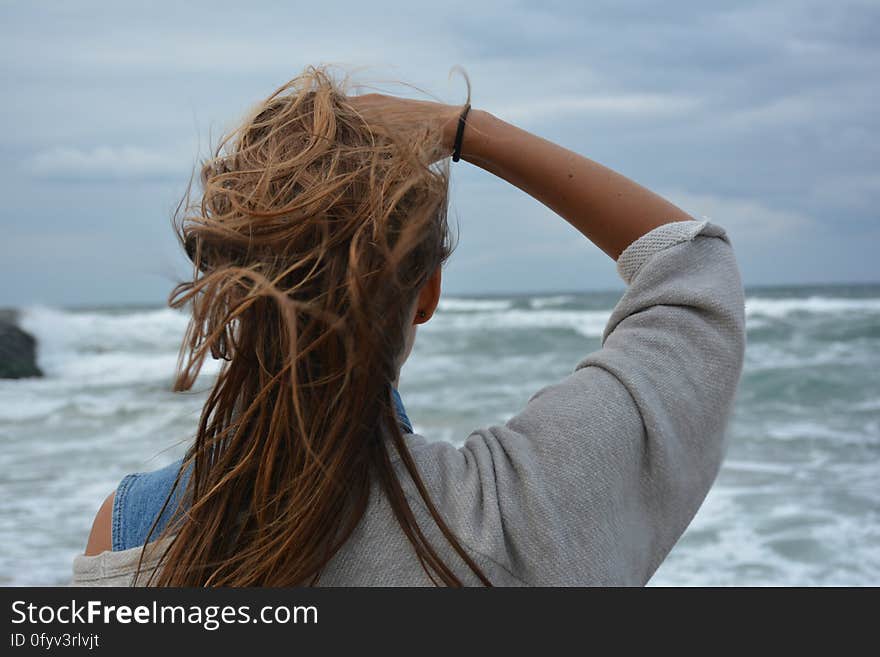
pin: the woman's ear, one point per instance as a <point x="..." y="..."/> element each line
<point x="429" y="297"/>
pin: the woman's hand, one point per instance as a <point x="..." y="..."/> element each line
<point x="407" y="113"/>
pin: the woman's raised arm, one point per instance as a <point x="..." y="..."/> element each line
<point x="608" y="208"/>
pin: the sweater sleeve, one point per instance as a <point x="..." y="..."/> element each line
<point x="597" y="477"/>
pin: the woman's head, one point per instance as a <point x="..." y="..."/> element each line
<point x="313" y="210"/>
<point x="317" y="235"/>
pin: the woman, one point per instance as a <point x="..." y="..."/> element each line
<point x="317" y="248"/>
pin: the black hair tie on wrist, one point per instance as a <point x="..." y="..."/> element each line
<point x="459" y="134"/>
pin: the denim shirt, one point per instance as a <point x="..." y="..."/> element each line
<point x="140" y="496"/>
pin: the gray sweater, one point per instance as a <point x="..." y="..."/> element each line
<point x="595" y="479"/>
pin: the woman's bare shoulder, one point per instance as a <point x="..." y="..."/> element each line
<point x="101" y="536"/>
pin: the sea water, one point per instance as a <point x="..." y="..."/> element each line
<point x="797" y="501"/>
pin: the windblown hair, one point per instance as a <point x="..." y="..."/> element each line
<point x="315" y="231"/>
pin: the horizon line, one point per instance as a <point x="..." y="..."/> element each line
<point x="452" y="295"/>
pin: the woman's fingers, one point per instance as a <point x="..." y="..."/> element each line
<point x="405" y="113"/>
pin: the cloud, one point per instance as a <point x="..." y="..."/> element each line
<point x="765" y="110"/>
<point x="851" y="192"/>
<point x="747" y="220"/>
<point x="104" y="163"/>
<point x="639" y="105"/>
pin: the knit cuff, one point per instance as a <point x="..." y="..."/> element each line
<point x="639" y="252"/>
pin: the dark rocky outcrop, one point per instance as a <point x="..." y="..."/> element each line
<point x="18" y="349"/>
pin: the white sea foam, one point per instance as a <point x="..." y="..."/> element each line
<point x="145" y="330"/>
<point x="783" y="534"/>
<point x="795" y="430"/>
<point x="868" y="405"/>
<point x="18" y="406"/>
<point x="763" y="356"/>
<point x="544" y="302"/>
<point x="452" y="304"/>
<point x="111" y="349"/>
<point x="778" y="308"/>
<point x="763" y="468"/>
<point x="796" y="502"/>
<point x="589" y="323"/>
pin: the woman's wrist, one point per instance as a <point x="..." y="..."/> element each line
<point x="483" y="141"/>
<point x="475" y="137"/>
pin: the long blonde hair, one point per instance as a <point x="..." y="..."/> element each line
<point x="315" y="231"/>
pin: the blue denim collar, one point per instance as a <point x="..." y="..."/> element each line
<point x="402" y="419"/>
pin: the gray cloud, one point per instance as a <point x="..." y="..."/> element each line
<point x="759" y="114"/>
<point x="109" y="163"/>
<point x="590" y="105"/>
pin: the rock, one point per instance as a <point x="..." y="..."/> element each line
<point x="18" y="353"/>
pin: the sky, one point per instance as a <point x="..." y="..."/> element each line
<point x="761" y="116"/>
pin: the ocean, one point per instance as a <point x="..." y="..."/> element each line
<point x="797" y="501"/>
